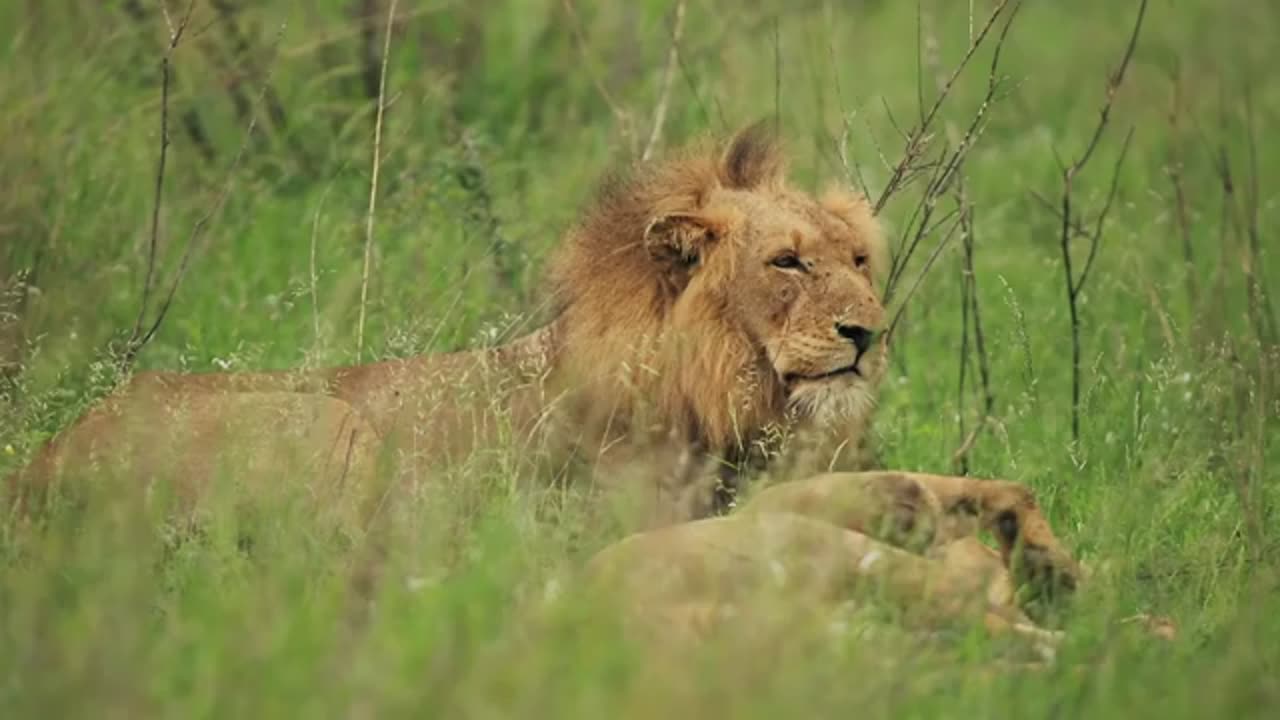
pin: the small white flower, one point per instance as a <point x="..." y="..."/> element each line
<point x="869" y="561"/>
<point x="779" y="572"/>
<point x="551" y="590"/>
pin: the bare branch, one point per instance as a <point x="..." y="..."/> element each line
<point x="1096" y="235"/>
<point x="1069" y="228"/>
<point x="243" y="54"/>
<point x="1180" y="204"/>
<point x="1259" y="301"/>
<point x="852" y="169"/>
<point x="697" y="96"/>
<point x="971" y="317"/>
<point x="313" y="275"/>
<point x="920" y="59"/>
<point x="933" y="256"/>
<point x="175" y="37"/>
<point x="919" y="134"/>
<point x="373" y="183"/>
<point x="622" y="116"/>
<point x="944" y="168"/>
<point x="1076" y="228"/>
<point x="1113" y="85"/>
<point x="777" y="76"/>
<point x="668" y="75"/>
<point x="197" y="230"/>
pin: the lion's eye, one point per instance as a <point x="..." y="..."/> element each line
<point x="786" y="261"/>
<point x="860" y="261"/>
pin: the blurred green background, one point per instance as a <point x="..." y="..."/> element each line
<point x="501" y="119"/>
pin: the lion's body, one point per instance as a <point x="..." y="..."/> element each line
<point x="815" y="544"/>
<point x="923" y="512"/>
<point x="703" y="309"/>
<point x="181" y="445"/>
<point x="693" y="578"/>
<point x="414" y="412"/>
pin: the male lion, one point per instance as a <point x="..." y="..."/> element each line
<point x="702" y="309"/>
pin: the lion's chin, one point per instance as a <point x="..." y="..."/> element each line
<point x="830" y="399"/>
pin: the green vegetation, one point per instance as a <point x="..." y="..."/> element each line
<point x="496" y="133"/>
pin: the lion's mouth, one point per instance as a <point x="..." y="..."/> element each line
<point x="851" y="369"/>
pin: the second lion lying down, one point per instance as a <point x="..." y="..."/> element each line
<point x="908" y="539"/>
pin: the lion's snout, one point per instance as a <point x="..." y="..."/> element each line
<point x="861" y="337"/>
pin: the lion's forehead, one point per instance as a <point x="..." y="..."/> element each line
<point x="796" y="218"/>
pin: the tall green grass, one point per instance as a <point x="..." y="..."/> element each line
<point x="495" y="137"/>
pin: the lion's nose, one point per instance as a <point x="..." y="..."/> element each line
<point x="860" y="337"/>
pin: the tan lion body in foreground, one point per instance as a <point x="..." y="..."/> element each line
<point x="910" y="539"/>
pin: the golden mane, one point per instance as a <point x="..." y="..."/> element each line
<point x="605" y="256"/>
<point x="615" y="293"/>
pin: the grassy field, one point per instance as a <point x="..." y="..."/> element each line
<point x="502" y="117"/>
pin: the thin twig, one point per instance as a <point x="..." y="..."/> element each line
<point x="1259" y="300"/>
<point x="1180" y="204"/>
<point x="175" y="37"/>
<point x="668" y="76"/>
<point x="777" y="76"/>
<point x="961" y="460"/>
<point x="1077" y="228"/>
<point x="972" y="318"/>
<point x="692" y="84"/>
<point x="314" y="275"/>
<point x="197" y="231"/>
<point x="920" y="60"/>
<point x="1070" y="227"/>
<point x="1106" y="210"/>
<point x="243" y="52"/>
<point x="1113" y="85"/>
<point x="919" y="135"/>
<point x="622" y="116"/>
<point x="852" y="168"/>
<point x="373" y="184"/>
<point x="933" y="256"/>
<point x="943" y="169"/>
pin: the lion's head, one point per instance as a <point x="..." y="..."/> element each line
<point x="728" y="299"/>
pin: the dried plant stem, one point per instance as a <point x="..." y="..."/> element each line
<point x="668" y="78"/>
<point x="917" y="139"/>
<point x="373" y="185"/>
<point x="175" y="38"/>
<point x="943" y="170"/>
<point x="622" y="116"/>
<point x="1071" y="227"/>
<point x="971" y="321"/>
<point x="314" y="275"/>
<point x="197" y="230"/>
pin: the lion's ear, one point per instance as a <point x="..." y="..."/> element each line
<point x="752" y="159"/>
<point x="682" y="239"/>
<point x="679" y="239"/>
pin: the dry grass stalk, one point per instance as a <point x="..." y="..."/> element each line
<point x="373" y="185"/>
